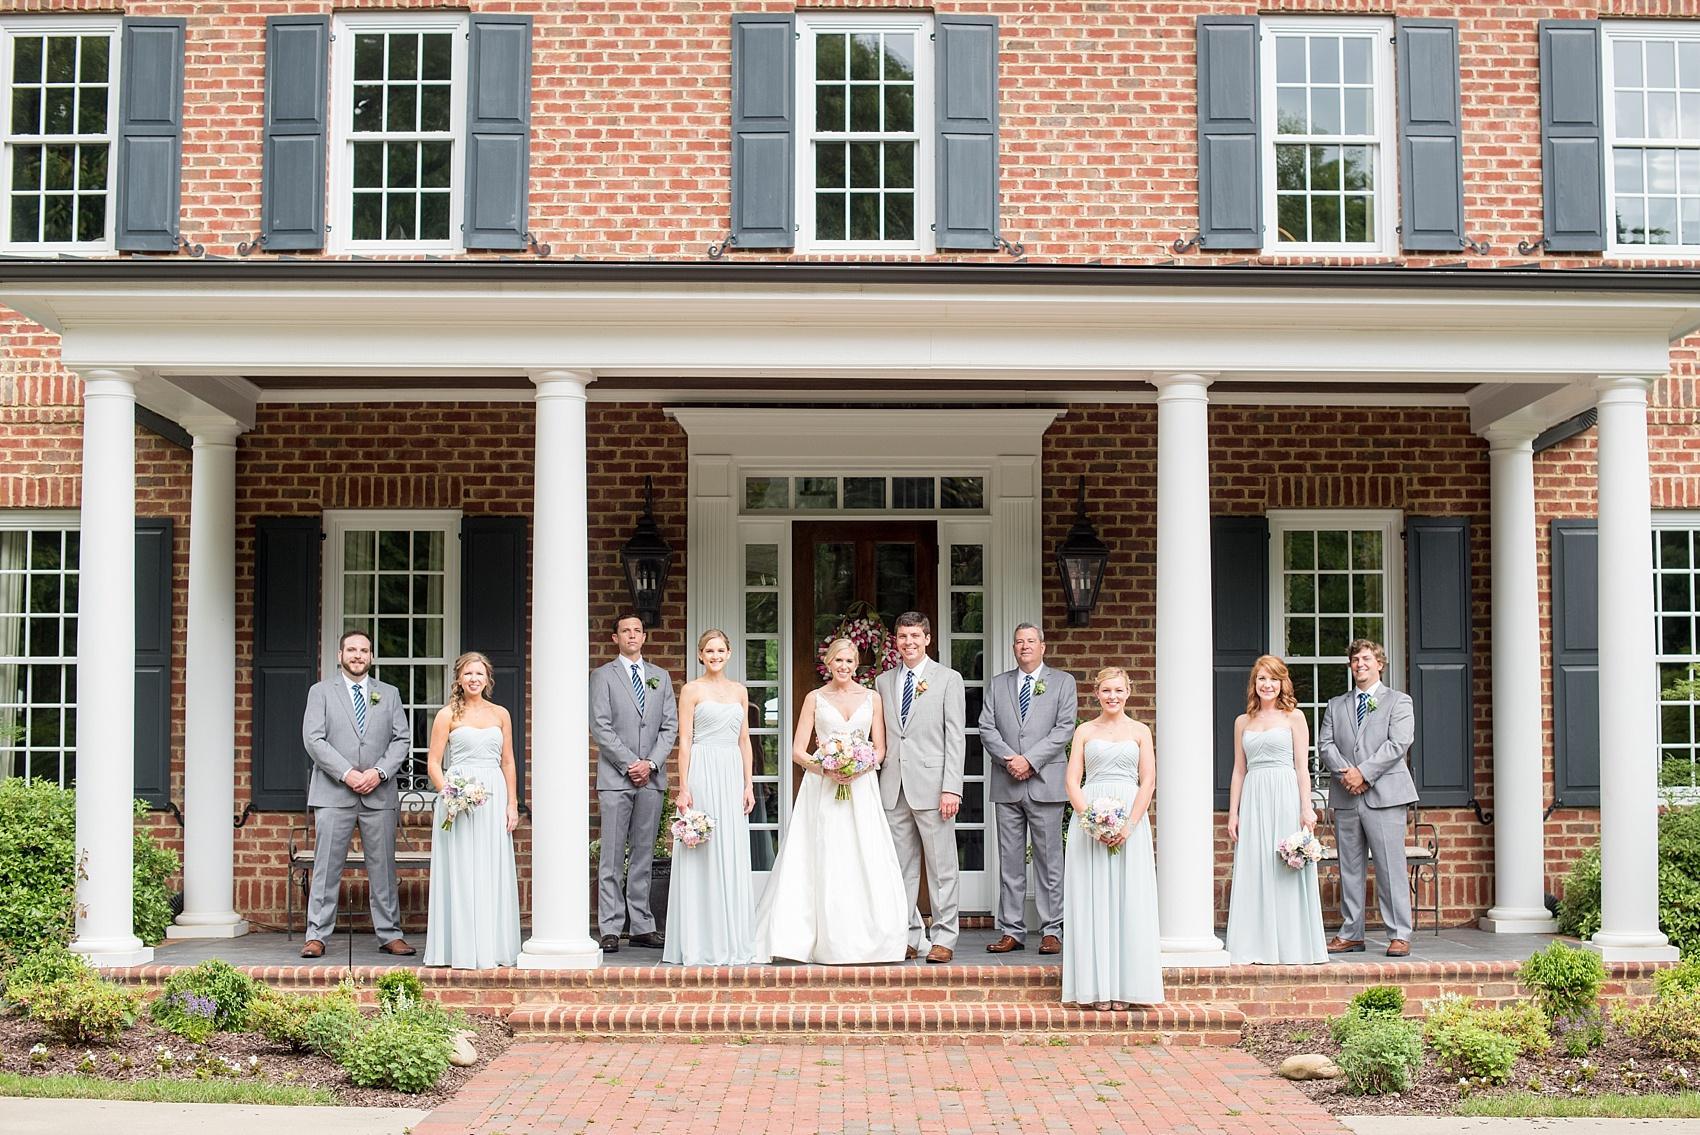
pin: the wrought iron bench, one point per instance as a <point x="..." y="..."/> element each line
<point x="412" y="849"/>
<point x="1422" y="856"/>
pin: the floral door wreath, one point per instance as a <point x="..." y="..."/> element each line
<point x="861" y="625"/>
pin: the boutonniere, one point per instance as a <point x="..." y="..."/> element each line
<point x="1371" y="705"/>
<point x="920" y="687"/>
<point x="374" y="697"/>
<point x="1039" y="688"/>
<point x="652" y="683"/>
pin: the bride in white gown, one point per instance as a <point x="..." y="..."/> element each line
<point x="836" y="892"/>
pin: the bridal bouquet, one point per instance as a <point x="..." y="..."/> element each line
<point x="691" y="827"/>
<point x="460" y="793"/>
<point x="846" y="756"/>
<point x="1299" y="849"/>
<point x="1105" y="817"/>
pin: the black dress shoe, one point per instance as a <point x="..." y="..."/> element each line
<point x="610" y="943"/>
<point x="651" y="939"/>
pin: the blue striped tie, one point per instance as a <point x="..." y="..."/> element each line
<point x="1363" y="707"/>
<point x="360" y="709"/>
<point x="908" y="693"/>
<point x="1026" y="695"/>
<point x="637" y="686"/>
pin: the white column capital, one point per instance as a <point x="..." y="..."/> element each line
<point x="1623" y="387"/>
<point x="560" y="382"/>
<point x="1184" y="385"/>
<point x="1505" y="436"/>
<point x="213" y="429"/>
<point x="109" y="382"/>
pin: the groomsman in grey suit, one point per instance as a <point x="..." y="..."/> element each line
<point x="1365" y="735"/>
<point x="635" y="721"/>
<point x="357" y="734"/>
<point x="1026" y="724"/>
<point x="921" y="779"/>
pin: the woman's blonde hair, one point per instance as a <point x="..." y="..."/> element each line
<point x="709" y="636"/>
<point x="457" y="696"/>
<point x="1109" y="672"/>
<point x="837" y="644"/>
<point x="1285" y="698"/>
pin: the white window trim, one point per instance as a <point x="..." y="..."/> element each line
<point x="1386" y="122"/>
<point x="1611" y="31"/>
<point x="338" y="522"/>
<point x="48" y="25"/>
<point x="344" y="27"/>
<point x="808" y="24"/>
<point x="1685" y="520"/>
<point x="43" y="520"/>
<point x="1390" y="523"/>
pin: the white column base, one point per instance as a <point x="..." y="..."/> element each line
<point x="1632" y="948"/>
<point x="231" y="925"/>
<point x="580" y="954"/>
<point x="1511" y="921"/>
<point x="115" y="953"/>
<point x="1181" y="957"/>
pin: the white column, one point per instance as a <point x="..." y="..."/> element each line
<point x="1519" y="850"/>
<point x="1629" y="801"/>
<point x="560" y="683"/>
<point x="1185" y="677"/>
<point x="209" y="763"/>
<point x="106" y="674"/>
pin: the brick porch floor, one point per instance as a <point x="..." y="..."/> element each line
<point x="708" y="1089"/>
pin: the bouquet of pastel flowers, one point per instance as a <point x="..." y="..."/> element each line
<point x="460" y="793"/>
<point x="691" y="828"/>
<point x="1105" y="817"/>
<point x="847" y="756"/>
<point x="1299" y="849"/>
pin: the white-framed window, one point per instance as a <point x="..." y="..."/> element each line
<point x="1328" y="151"/>
<point x="396" y="576"/>
<point x="398" y="113"/>
<point x="1336" y="575"/>
<point x="765" y="657"/>
<point x="38" y="645"/>
<point x="1676" y="637"/>
<point x="1652" y="120"/>
<point x="60" y="75"/>
<point x="865" y="97"/>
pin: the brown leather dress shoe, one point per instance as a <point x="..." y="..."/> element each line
<point x="1005" y="944"/>
<point x="1339" y="945"/>
<point x="312" y="948"/>
<point x="397" y="947"/>
<point x="910" y="954"/>
<point x="1050" y="944"/>
<point x="940" y="954"/>
<point x="1398" y="948"/>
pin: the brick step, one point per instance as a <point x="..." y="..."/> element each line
<point x="729" y="985"/>
<point x="1181" y="1023"/>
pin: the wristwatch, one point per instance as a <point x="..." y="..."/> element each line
<point x="382" y="776"/>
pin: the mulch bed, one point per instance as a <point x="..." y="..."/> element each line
<point x="278" y="1065"/>
<point x="1620" y="1065"/>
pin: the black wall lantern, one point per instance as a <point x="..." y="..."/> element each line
<point x="647" y="556"/>
<point x="1080" y="565"/>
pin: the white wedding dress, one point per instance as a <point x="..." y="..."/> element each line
<point x="836" y="893"/>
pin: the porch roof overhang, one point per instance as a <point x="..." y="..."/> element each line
<point x="223" y="334"/>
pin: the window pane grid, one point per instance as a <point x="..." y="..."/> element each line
<point x="1656" y="140"/>
<point x="402" y="142"/>
<point x="965" y="650"/>
<point x="822" y="493"/>
<point x="1676" y="587"/>
<point x="58" y="137"/>
<point x="760" y="637"/>
<point x="1327" y="123"/>
<point x="865" y="144"/>
<point x="38" y="654"/>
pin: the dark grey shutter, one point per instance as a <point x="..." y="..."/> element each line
<point x="292" y="209"/>
<point x="1230" y="162"/>
<point x="1431" y="137"/>
<point x="150" y="135"/>
<point x="966" y="81"/>
<point x="153" y="661"/>
<point x="492" y="611"/>
<point x="1576" y="662"/>
<point x="1437" y="574"/>
<point x="498" y="130"/>
<point x="1573" y="150"/>
<point x="1239" y="626"/>
<point x="286" y="663"/>
<point x="764" y="124"/>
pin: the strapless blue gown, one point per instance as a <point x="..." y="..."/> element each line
<point x="711" y="909"/>
<point x="474" y="915"/>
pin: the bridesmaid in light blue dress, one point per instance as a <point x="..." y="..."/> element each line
<point x="474" y="914"/>
<point x="1274" y="912"/>
<point x="1111" y="953"/>
<point x="711" y="900"/>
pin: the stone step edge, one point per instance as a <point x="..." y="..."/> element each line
<point x="911" y="1017"/>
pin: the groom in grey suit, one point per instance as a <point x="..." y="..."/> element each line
<point x="635" y="721"/>
<point x="1026" y="725"/>
<point x="921" y="779"/>
<point x="357" y="734"/>
<point x="1364" y="737"/>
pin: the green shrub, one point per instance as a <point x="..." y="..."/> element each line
<point x="282" y="1017"/>
<point x="1378" y="1002"/>
<point x="77" y="1010"/>
<point x="228" y="988"/>
<point x="1469" y="1049"/>
<point x="399" y="988"/>
<point x="1565" y="981"/>
<point x="53" y="962"/>
<point x="1579" y="909"/>
<point x="1522" y="1021"/>
<point x="397" y="1051"/>
<point x="331" y="1028"/>
<point x="1679" y="884"/>
<point x="1669" y="1025"/>
<point x="1380" y="1055"/>
<point x="1684" y="977"/>
<point x="38" y="861"/>
<point x="1580" y="1033"/>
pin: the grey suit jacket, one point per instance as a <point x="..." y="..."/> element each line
<point x="923" y="758"/>
<point x="622" y="734"/>
<point x="1043" y="738"/>
<point x="1377" y="749"/>
<point x="336" y="744"/>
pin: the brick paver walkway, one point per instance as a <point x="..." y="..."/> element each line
<point x="709" y="1089"/>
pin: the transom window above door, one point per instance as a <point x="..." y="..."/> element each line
<point x="852" y="493"/>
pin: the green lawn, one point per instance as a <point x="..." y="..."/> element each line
<point x="160" y="1090"/>
<point x="1685" y="1105"/>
